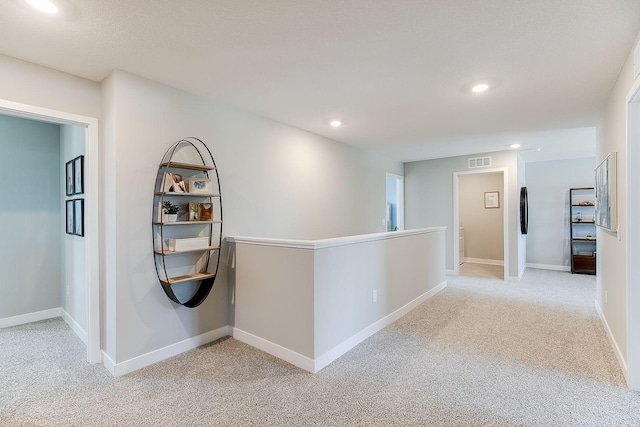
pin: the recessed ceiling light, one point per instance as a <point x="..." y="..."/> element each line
<point x="43" y="6"/>
<point x="335" y="123"/>
<point x="479" y="88"/>
<point x="516" y="145"/>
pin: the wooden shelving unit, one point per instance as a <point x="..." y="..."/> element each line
<point x="173" y="271"/>
<point x="582" y="230"/>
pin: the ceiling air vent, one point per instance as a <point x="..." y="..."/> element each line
<point x="479" y="162"/>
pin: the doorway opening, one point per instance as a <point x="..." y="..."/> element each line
<point x="480" y="231"/>
<point x="395" y="202"/>
<point x="91" y="204"/>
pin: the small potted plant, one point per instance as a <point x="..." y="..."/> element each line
<point x="170" y="211"/>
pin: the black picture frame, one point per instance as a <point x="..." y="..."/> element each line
<point x="524" y="211"/>
<point x="78" y="175"/>
<point x="69" y="217"/>
<point x="70" y="178"/>
<point x="78" y="217"/>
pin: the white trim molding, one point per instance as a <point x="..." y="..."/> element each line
<point x="329" y="243"/>
<point x="314" y="366"/>
<point x="483" y="261"/>
<point x="75" y="327"/>
<point x="552" y="267"/>
<point x="91" y="206"/>
<point x="612" y="341"/>
<point x="36" y="316"/>
<point x="144" y="360"/>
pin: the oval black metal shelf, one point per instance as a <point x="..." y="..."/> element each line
<point x="204" y="167"/>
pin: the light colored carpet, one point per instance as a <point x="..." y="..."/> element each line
<point x="482" y="352"/>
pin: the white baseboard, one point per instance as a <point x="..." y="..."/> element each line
<point x="325" y="359"/>
<point x="144" y="360"/>
<point x="612" y="341"/>
<point x="450" y="273"/>
<point x="483" y="261"/>
<point x="296" y="359"/>
<point x="30" y="317"/>
<point x="356" y="339"/>
<point x="549" y="267"/>
<point x="81" y="333"/>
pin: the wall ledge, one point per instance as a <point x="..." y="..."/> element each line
<point x="328" y="243"/>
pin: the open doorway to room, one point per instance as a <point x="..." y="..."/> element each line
<point x="395" y="202"/>
<point x="480" y="218"/>
<point x="72" y="278"/>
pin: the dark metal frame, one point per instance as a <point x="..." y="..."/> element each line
<point x="208" y="165"/>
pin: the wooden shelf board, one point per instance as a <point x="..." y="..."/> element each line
<point x="172" y="194"/>
<point x="168" y="252"/>
<point x="584" y="239"/>
<point x="188" y="222"/>
<point x="188" y="278"/>
<point x="583" y="222"/>
<point x="188" y="166"/>
<point x="583" y="206"/>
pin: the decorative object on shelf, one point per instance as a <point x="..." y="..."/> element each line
<point x="187" y="251"/>
<point x="524" y="211"/>
<point x="606" y="201"/>
<point x="174" y="183"/>
<point x="491" y="199"/>
<point x="205" y="212"/>
<point x="582" y="230"/>
<point x="199" y="185"/>
<point x="194" y="211"/>
<point x="170" y="210"/>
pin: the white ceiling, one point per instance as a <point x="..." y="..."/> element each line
<point x="396" y="72"/>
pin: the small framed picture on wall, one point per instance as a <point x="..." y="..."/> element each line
<point x="70" y="211"/>
<point x="78" y="217"/>
<point x="69" y="177"/>
<point x="78" y="175"/>
<point x="491" y="199"/>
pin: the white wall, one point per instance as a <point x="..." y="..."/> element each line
<point x="73" y="284"/>
<point x="483" y="228"/>
<point x="548" y="183"/>
<point x="277" y="181"/>
<point x="611" y="263"/>
<point x="429" y="198"/>
<point x="43" y="87"/>
<point x="30" y="216"/>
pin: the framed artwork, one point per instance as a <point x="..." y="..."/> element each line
<point x="491" y="199"/>
<point x="174" y="183"/>
<point x="193" y="211"/>
<point x="78" y="175"/>
<point x="78" y="217"/>
<point x="200" y="185"/>
<point x="205" y="211"/>
<point x="69" y="177"/>
<point x="606" y="201"/>
<point x="70" y="212"/>
<point x="524" y="211"/>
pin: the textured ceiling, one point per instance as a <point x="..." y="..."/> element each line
<point x="396" y="72"/>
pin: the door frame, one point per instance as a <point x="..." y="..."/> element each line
<point x="91" y="206"/>
<point x="505" y="216"/>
